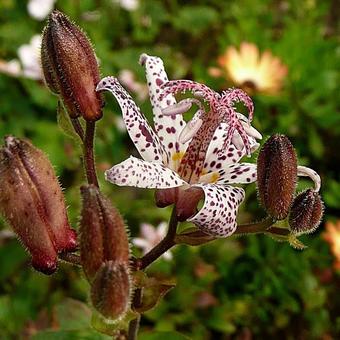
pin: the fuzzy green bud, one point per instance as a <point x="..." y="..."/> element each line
<point x="70" y="67"/>
<point x="32" y="202"/>
<point x="306" y="212"/>
<point x="277" y="175"/>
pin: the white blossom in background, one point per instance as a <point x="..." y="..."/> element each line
<point x="28" y="65"/>
<point x="128" y="79"/>
<point x="150" y="237"/>
<point x="40" y="9"/>
<point x="129" y="5"/>
<point x="11" y="68"/>
<point x="29" y="55"/>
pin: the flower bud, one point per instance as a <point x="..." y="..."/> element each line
<point x="110" y="290"/>
<point x="103" y="234"/>
<point x="70" y="67"/>
<point x="277" y="175"/>
<point x="306" y="212"/>
<point x="186" y="205"/>
<point x="32" y="202"/>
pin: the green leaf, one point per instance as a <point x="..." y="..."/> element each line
<point x="73" y="315"/>
<point x="162" y="335"/>
<point x="65" y="124"/>
<point x="110" y="327"/>
<point x="153" y="290"/>
<point x="87" y="334"/>
<point x="195" y="19"/>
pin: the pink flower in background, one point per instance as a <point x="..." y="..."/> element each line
<point x="128" y="79"/>
<point x="250" y="70"/>
<point x="150" y="237"/>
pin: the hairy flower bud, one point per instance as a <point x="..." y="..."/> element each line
<point x="186" y="205"/>
<point x="70" y="67"/>
<point x="103" y="234"/>
<point x="277" y="175"/>
<point x="306" y="212"/>
<point x="32" y="202"/>
<point x="110" y="290"/>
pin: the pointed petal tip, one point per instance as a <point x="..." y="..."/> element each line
<point x="142" y="59"/>
<point x="105" y="82"/>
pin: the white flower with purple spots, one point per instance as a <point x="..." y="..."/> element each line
<point x="203" y="153"/>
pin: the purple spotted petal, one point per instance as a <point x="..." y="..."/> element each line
<point x="217" y="157"/>
<point x="243" y="173"/>
<point x="168" y="128"/>
<point x="142" y="135"/>
<point x="217" y="217"/>
<point x="138" y="173"/>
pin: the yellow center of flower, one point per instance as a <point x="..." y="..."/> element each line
<point x="177" y="156"/>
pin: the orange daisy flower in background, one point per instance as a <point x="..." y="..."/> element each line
<point x="251" y="71"/>
<point x="332" y="236"/>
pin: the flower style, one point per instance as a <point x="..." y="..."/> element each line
<point x="209" y="162"/>
<point x="250" y="70"/>
<point x="150" y="237"/>
<point x="332" y="236"/>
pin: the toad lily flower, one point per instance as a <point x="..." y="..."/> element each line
<point x="202" y="154"/>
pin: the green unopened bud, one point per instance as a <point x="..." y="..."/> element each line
<point x="306" y="212"/>
<point x="70" y="67"/>
<point x="186" y="205"/>
<point x="277" y="175"/>
<point x="32" y="202"/>
<point x="103" y="235"/>
<point x="111" y="290"/>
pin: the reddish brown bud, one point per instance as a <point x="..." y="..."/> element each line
<point x="110" y="290"/>
<point x="70" y="67"/>
<point x="32" y="202"/>
<point x="186" y="205"/>
<point x="165" y="197"/>
<point x="306" y="212"/>
<point x="103" y="234"/>
<point x="277" y="175"/>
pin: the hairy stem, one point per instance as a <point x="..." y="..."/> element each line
<point x="254" y="228"/>
<point x="161" y="247"/>
<point x="89" y="154"/>
<point x="134" y="324"/>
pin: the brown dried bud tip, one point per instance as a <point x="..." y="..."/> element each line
<point x="306" y="212"/>
<point x="110" y="290"/>
<point x="187" y="201"/>
<point x="70" y="67"/>
<point x="277" y="175"/>
<point x="103" y="235"/>
<point x="32" y="202"/>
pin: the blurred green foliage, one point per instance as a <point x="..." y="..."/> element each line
<point x="235" y="288"/>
